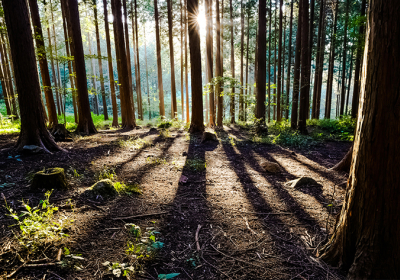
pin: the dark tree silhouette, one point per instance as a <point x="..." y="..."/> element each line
<point x="33" y="128"/>
<point x="262" y="62"/>
<point x="365" y="239"/>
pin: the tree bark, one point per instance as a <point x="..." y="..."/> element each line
<point x="172" y="60"/>
<point x="296" y="76"/>
<point x="159" y="67"/>
<point x="103" y="91"/>
<point x="321" y="65"/>
<point x="196" y="124"/>
<point x="44" y="70"/>
<point x="262" y="62"/>
<point x="275" y="58"/>
<point x="110" y="67"/>
<point x="85" y="124"/>
<point x="33" y="127"/>
<point x="365" y="240"/>
<point x="93" y="76"/>
<point x="360" y="47"/>
<point x="305" y="69"/>
<point x="289" y="61"/>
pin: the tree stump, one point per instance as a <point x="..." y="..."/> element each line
<point x="52" y="178"/>
<point x="61" y="134"/>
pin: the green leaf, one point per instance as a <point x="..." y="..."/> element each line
<point x="167" y="276"/>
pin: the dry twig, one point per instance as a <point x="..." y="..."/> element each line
<point x="197" y="238"/>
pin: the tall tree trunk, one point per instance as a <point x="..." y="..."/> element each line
<point x="275" y="57"/>
<point x="232" y="101"/>
<point x="289" y="61"/>
<point x="93" y="76"/>
<point x="305" y="69"/>
<point x="321" y="65"/>
<point x="296" y="75"/>
<point x="365" y="239"/>
<point x="110" y="67"/>
<point x="186" y="65"/>
<point x="247" y="68"/>
<point x="127" y="106"/>
<point x="343" y="93"/>
<point x="328" y="103"/>
<point x="4" y="84"/>
<point x="182" y="95"/>
<point x="278" y="105"/>
<point x="54" y="73"/>
<point x="283" y="69"/>
<point x="195" y="61"/>
<point x="241" y="103"/>
<point x="262" y="62"/>
<point x="103" y="91"/>
<point x="147" y="72"/>
<point x="269" y="60"/>
<point x="209" y="62"/>
<point x="360" y="47"/>
<point x="85" y="124"/>
<point x="348" y="87"/>
<point x="218" y="68"/>
<point x="172" y="60"/>
<point x="72" y="78"/>
<point x="128" y="54"/>
<point x="138" y="83"/>
<point x="8" y="73"/>
<point x="159" y="67"/>
<point x="33" y="127"/>
<point x="58" y="74"/>
<point x="44" y="70"/>
<point x="318" y="69"/>
<point x="310" y="44"/>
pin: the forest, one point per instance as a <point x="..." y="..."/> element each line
<point x="199" y="139"/>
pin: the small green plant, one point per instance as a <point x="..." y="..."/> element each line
<point x="196" y="164"/>
<point x="156" y="160"/>
<point x="119" y="269"/>
<point x="38" y="225"/>
<point x="106" y="173"/>
<point x="144" y="245"/>
<point x="123" y="189"/>
<point x="164" y="133"/>
<point x="72" y="261"/>
<point x="164" y="124"/>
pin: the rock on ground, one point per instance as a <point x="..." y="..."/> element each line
<point x="303" y="181"/>
<point x="271" y="167"/>
<point x="104" y="187"/>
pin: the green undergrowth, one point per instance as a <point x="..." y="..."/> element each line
<point x="8" y="126"/>
<point x="134" y="143"/>
<point x="38" y="226"/>
<point x="196" y="164"/>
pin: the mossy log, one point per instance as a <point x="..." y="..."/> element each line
<point x="52" y="178"/>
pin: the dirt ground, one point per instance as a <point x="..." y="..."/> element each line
<point x="249" y="224"/>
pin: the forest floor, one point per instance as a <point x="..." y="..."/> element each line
<point x="212" y="210"/>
